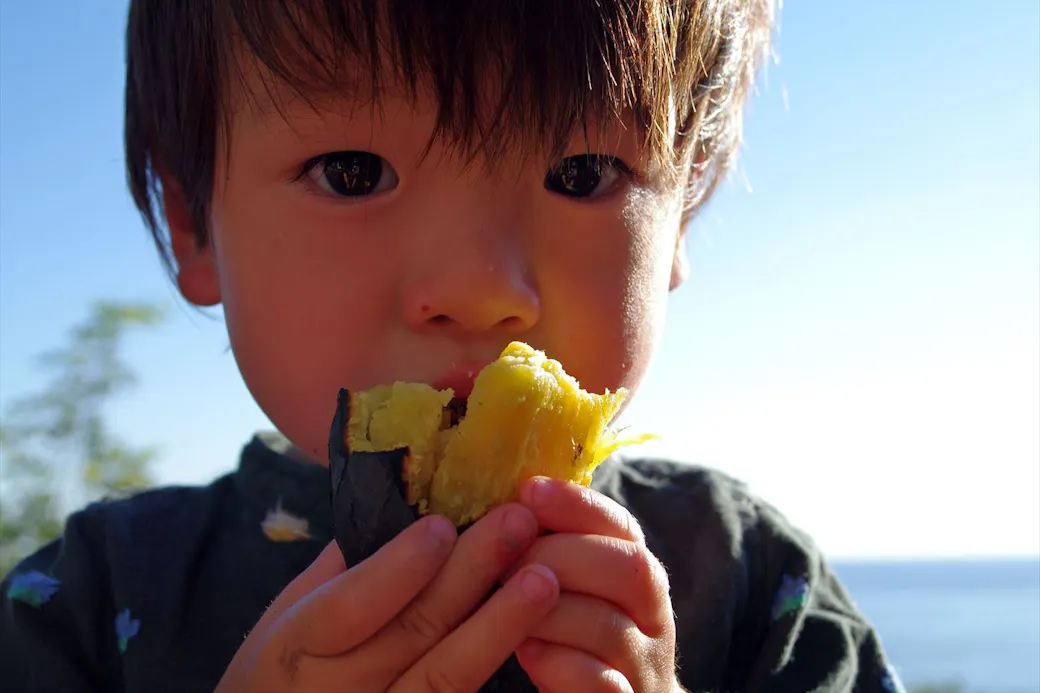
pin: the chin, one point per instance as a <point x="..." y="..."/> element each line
<point x="307" y="436"/>
<point x="297" y="412"/>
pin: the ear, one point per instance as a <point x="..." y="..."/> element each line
<point x="680" y="263"/>
<point x="196" y="271"/>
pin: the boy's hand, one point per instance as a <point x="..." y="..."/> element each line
<point x="612" y="629"/>
<point x="401" y="620"/>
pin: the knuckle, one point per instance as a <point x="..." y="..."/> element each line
<point x="659" y="655"/>
<point x="620" y="518"/>
<point x="631" y="526"/>
<point x="616" y="515"/>
<point x="627" y="525"/>
<point x="439" y="681"/>
<point x="649" y="573"/>
<point x="476" y="571"/>
<point x="612" y="630"/>
<point x="289" y="662"/>
<point x="663" y="660"/>
<point x="418" y="623"/>
<point x="589" y="498"/>
<point x="659" y="572"/>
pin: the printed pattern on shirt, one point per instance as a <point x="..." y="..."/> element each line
<point x="281" y="525"/>
<point x="126" y="628"/>
<point x="33" y="588"/>
<point x="793" y="593"/>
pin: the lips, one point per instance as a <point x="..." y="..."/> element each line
<point x="460" y="380"/>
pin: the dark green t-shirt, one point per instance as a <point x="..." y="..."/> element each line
<point x="156" y="592"/>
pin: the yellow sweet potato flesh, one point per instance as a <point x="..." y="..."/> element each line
<point x="402" y="415"/>
<point x="525" y="417"/>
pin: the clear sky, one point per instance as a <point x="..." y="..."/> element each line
<point x="860" y="338"/>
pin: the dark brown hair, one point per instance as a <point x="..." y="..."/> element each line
<point x="682" y="68"/>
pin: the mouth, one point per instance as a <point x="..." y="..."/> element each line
<point x="460" y="382"/>
<point x="454" y="413"/>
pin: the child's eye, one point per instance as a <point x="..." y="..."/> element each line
<point x="586" y="175"/>
<point x="351" y="174"/>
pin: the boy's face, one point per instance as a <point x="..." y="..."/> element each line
<point x="354" y="269"/>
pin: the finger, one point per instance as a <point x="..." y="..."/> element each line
<point x="564" y="507"/>
<point x="598" y="628"/>
<point x="621" y="572"/>
<point x="467" y="658"/>
<point x="479" y="558"/>
<point x="556" y="669"/>
<point x="325" y="567"/>
<point x="354" y="605"/>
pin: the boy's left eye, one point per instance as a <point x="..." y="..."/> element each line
<point x="351" y="174"/>
<point x="586" y="176"/>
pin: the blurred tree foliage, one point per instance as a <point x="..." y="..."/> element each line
<point x="56" y="449"/>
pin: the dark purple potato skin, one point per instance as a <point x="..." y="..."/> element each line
<point x="368" y="504"/>
<point x="369" y="508"/>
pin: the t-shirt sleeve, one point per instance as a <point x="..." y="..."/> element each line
<point x="803" y="631"/>
<point x="757" y="607"/>
<point x="54" y="614"/>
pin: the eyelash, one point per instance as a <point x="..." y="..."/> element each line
<point x="566" y="178"/>
<point x="348" y="160"/>
<point x="603" y="164"/>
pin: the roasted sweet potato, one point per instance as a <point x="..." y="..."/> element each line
<point x="525" y="417"/>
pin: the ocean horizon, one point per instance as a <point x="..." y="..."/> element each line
<point x="972" y="624"/>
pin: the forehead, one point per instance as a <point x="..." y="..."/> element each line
<point x="264" y="104"/>
<point x="492" y="75"/>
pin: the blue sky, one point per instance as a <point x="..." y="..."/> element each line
<point x="860" y="338"/>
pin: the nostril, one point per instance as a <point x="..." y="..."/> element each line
<point x="511" y="323"/>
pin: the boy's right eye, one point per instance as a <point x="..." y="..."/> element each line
<point x="351" y="174"/>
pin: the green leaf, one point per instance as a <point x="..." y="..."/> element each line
<point x="63" y="427"/>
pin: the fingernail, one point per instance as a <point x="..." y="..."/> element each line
<point x="519" y="526"/>
<point x="540" y="493"/>
<point x="536" y="585"/>
<point x="441" y="530"/>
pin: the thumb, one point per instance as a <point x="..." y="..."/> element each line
<point x="326" y="566"/>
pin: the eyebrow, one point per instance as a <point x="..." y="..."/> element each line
<point x="267" y="97"/>
<point x="254" y="88"/>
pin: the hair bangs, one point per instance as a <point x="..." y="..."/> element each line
<point x="525" y="76"/>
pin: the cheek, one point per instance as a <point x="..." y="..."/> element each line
<point x="611" y="295"/>
<point x="653" y="225"/>
<point x="293" y="314"/>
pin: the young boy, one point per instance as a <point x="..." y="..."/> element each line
<point x="394" y="191"/>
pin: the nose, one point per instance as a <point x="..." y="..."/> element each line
<point x="472" y="281"/>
